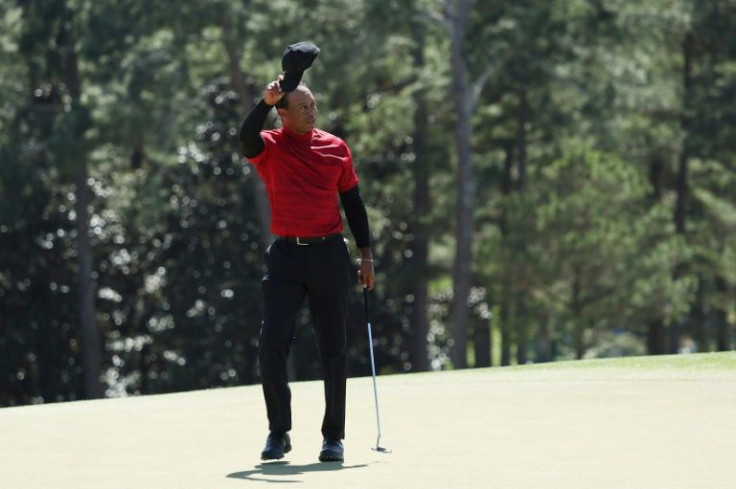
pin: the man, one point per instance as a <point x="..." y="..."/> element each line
<point x="304" y="170"/>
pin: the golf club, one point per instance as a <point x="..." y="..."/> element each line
<point x="378" y="447"/>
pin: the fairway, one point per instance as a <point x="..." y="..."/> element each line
<point x="665" y="422"/>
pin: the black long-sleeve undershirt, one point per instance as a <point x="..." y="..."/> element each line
<point x="356" y="216"/>
<point x="251" y="143"/>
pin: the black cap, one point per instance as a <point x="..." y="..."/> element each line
<point x="296" y="58"/>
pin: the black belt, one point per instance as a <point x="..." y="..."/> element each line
<point x="308" y="240"/>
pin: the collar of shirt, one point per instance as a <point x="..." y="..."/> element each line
<point x="298" y="138"/>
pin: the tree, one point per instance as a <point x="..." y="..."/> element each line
<point x="520" y="164"/>
<point x="51" y="33"/>
<point x="457" y="15"/>
<point x="600" y="269"/>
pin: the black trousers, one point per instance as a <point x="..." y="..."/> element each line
<point x="319" y="273"/>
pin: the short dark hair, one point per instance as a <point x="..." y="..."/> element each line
<point x="283" y="102"/>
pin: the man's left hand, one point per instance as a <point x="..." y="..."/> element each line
<point x="366" y="273"/>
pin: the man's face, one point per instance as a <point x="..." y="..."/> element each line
<point x="301" y="115"/>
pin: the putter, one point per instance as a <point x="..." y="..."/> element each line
<point x="378" y="447"/>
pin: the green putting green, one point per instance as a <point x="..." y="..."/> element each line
<point x="655" y="422"/>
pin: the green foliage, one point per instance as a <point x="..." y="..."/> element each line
<point x="580" y="119"/>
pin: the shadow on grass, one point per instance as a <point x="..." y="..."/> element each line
<point x="281" y="471"/>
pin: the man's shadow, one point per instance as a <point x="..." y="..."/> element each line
<point x="283" y="470"/>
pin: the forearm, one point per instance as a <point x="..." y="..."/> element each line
<point x="251" y="143"/>
<point x="357" y="218"/>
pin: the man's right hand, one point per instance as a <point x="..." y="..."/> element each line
<point x="273" y="92"/>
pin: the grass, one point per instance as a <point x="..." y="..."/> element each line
<point x="708" y="361"/>
<point x="634" y="422"/>
<point x="696" y="366"/>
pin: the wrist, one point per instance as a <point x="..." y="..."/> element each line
<point x="365" y="256"/>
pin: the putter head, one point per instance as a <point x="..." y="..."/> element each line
<point x="381" y="449"/>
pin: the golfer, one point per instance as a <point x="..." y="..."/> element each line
<point x="305" y="170"/>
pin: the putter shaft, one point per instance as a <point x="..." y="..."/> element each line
<point x="373" y="372"/>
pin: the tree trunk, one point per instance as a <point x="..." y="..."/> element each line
<point x="507" y="284"/>
<point x="655" y="327"/>
<point x="656" y="172"/>
<point x="682" y="185"/>
<point x="698" y="328"/>
<point x="245" y="95"/>
<point x="723" y="328"/>
<point x="543" y="346"/>
<point x="522" y="116"/>
<point x="576" y="308"/>
<point x="91" y="343"/>
<point x="521" y="142"/>
<point x="655" y="337"/>
<point x="422" y="202"/>
<point x="458" y="13"/>
<point x="138" y="154"/>
<point x="522" y="337"/>
<point x="482" y="343"/>
<point x="506" y="340"/>
<point x="257" y="188"/>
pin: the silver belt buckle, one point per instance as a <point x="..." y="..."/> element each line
<point x="298" y="242"/>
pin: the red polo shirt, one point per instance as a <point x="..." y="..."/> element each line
<point x="303" y="174"/>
